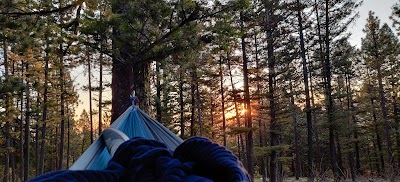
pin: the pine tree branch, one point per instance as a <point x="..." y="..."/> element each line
<point x="44" y="12"/>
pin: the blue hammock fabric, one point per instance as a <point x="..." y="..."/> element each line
<point x="133" y="123"/>
<point x="139" y="159"/>
<point x="138" y="148"/>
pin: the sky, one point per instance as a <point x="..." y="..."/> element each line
<point x="382" y="9"/>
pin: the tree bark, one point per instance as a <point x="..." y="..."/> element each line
<point x="397" y="121"/>
<point x="383" y="108"/>
<point x="321" y="59"/>
<point x="100" y="89"/>
<point x="339" y="155"/>
<point x="351" y="120"/>
<point x="44" y="112"/>
<point x="62" y="111"/>
<point x="21" y="128"/>
<point x="369" y="160"/>
<point x="125" y="76"/>
<point x="274" y="137"/>
<point x="13" y="170"/>
<point x="261" y="125"/>
<point x="121" y="88"/>
<point x="37" y="146"/>
<point x="68" y="136"/>
<point x="90" y="93"/>
<point x="221" y="76"/>
<point x="193" y="100"/>
<point x="316" y="131"/>
<point x="181" y="103"/>
<point x="212" y="119"/>
<point x="378" y="137"/>
<point x="198" y="105"/>
<point x="7" y="125"/>
<point x="27" y="124"/>
<point x="307" y="93"/>
<point x="355" y="130"/>
<point x="328" y="94"/>
<point x="249" y="141"/>
<point x="158" y="93"/>
<point x="386" y="124"/>
<point x="125" y="79"/>
<point x="241" y="148"/>
<point x="296" y="134"/>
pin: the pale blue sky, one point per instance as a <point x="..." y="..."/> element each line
<point x="382" y="9"/>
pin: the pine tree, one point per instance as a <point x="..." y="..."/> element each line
<point x="308" y="105"/>
<point x="377" y="46"/>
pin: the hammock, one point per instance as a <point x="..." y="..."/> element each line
<point x="132" y="123"/>
<point x="138" y="148"/>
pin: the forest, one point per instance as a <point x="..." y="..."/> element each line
<point x="276" y="82"/>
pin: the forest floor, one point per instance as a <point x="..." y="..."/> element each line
<point x="359" y="179"/>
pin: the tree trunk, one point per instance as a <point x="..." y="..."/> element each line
<point x="89" y="64"/>
<point x="37" y="144"/>
<point x="198" y="105"/>
<point x="7" y="125"/>
<point x="100" y="90"/>
<point x="54" y="165"/>
<point x="7" y="154"/>
<point x="386" y="124"/>
<point x="68" y="136"/>
<point x="62" y="112"/>
<point x="241" y="148"/>
<point x="328" y="94"/>
<point x="271" y="90"/>
<point x="158" y="93"/>
<point x="222" y="101"/>
<point x="249" y="141"/>
<point x="83" y="142"/>
<point x="13" y="170"/>
<point x="337" y="138"/>
<point x="369" y="160"/>
<point x="383" y="108"/>
<point x="397" y="122"/>
<point x="355" y="130"/>
<point x="378" y="137"/>
<point x="125" y="76"/>
<point x="316" y="132"/>
<point x="165" y="88"/>
<point x="192" y="108"/>
<point x="212" y="119"/>
<point x="125" y="79"/>
<point x="376" y="158"/>
<point x="308" y="105"/>
<point x="296" y="134"/>
<point x="260" y="102"/>
<point x="21" y="129"/>
<point x="44" y="114"/>
<point x="321" y="55"/>
<point x="62" y="53"/>
<point x="339" y="155"/>
<point x="181" y="103"/>
<point x="27" y="125"/>
<point x="351" y="120"/>
<point x="121" y="88"/>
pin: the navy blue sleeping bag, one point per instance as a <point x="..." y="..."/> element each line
<point x="139" y="159"/>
